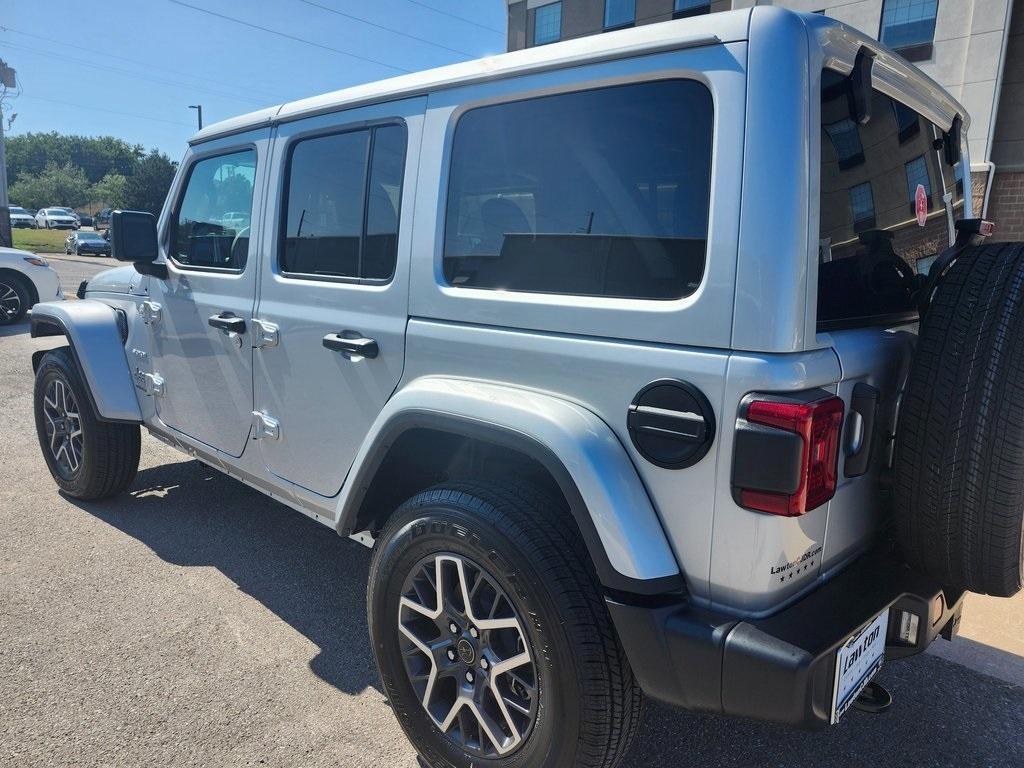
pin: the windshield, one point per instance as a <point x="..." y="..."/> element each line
<point x="56" y="212"/>
<point x="90" y="236"/>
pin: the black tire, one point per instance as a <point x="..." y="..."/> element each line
<point x="13" y="307"/>
<point x="588" y="703"/>
<point x="109" y="452"/>
<point x="960" y="441"/>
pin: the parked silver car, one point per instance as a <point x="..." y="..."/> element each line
<point x="20" y="218"/>
<point x="601" y="346"/>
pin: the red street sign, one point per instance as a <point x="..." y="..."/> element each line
<point x="921" y="205"/>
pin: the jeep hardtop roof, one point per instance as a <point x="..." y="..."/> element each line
<point x="838" y="42"/>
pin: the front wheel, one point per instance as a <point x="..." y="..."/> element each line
<point x="14" y="299"/>
<point x="88" y="458"/>
<point x="491" y="635"/>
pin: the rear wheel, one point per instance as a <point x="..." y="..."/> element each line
<point x="88" y="458"/>
<point x="960" y="442"/>
<point x="493" y="641"/>
<point x="15" y="298"/>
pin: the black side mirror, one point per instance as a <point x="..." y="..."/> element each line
<point x="133" y="238"/>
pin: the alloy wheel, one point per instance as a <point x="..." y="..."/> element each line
<point x="10" y="301"/>
<point x="467" y="656"/>
<point x="63" y="427"/>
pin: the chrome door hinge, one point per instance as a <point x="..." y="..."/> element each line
<point x="150" y="383"/>
<point x="265" y="334"/>
<point x="149" y="311"/>
<point x="265" y="426"/>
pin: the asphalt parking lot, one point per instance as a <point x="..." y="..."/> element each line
<point x="194" y="621"/>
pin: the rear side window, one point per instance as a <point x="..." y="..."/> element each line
<point x="595" y="193"/>
<point x="211" y="227"/>
<point x="342" y="204"/>
<point x="872" y="251"/>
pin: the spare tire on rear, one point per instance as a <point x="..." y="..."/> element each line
<point x="960" y="438"/>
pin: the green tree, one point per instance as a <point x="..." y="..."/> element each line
<point x="111" y="190"/>
<point x="65" y="185"/>
<point x="149" y="183"/>
<point x="32" y="153"/>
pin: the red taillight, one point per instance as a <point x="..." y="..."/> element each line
<point x="819" y="425"/>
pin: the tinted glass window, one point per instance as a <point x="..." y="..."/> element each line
<point x="387" y="166"/>
<point x="547" y="24"/>
<point x="871" y="246"/>
<point x="908" y="23"/>
<point x="600" y="193"/>
<point x="342" y="204"/>
<point x="217" y="186"/>
<point x="618" y="13"/>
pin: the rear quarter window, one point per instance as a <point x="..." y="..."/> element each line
<point x="595" y="193"/>
<point x="873" y="252"/>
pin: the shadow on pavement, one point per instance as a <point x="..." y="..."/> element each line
<point x="191" y="515"/>
<point x="16" y="329"/>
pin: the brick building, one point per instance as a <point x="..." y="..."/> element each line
<point x="973" y="48"/>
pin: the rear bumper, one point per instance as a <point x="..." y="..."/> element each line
<point x="780" y="668"/>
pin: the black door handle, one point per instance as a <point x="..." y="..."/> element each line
<point x="357" y="346"/>
<point x="227" y="321"/>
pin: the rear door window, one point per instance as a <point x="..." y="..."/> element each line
<point x="594" y="193"/>
<point x="873" y="252"/>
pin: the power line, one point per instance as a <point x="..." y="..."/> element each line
<point x="128" y="73"/>
<point x="140" y="63"/>
<point x="102" y="109"/>
<point x="454" y="16"/>
<point x="386" y="29"/>
<point x="286" y="35"/>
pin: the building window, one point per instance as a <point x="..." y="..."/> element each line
<point x="862" y="205"/>
<point x="907" y="121"/>
<point x="909" y="27"/>
<point x="846" y="140"/>
<point x="917" y="173"/>
<point x="619" y="13"/>
<point x="683" y="8"/>
<point x="547" y="24"/>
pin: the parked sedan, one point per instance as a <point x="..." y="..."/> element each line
<point x="84" y="219"/>
<point x="25" y="279"/>
<point x="55" y="218"/>
<point x="20" y="218"/>
<point x="86" y="244"/>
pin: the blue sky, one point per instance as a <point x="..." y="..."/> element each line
<point x="130" y="68"/>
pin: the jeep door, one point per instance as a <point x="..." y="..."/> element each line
<point x="333" y="295"/>
<point x="201" y="313"/>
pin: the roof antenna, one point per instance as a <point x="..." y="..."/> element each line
<point x="859" y="93"/>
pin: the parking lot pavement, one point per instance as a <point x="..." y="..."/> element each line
<point x="194" y="621"/>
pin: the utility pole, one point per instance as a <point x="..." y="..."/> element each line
<point x="7" y="81"/>
<point x="199" y="113"/>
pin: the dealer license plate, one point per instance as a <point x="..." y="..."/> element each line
<point x="857" y="661"/>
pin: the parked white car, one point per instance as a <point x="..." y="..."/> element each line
<point x="25" y="279"/>
<point x="21" y="219"/>
<point x="55" y="218"/>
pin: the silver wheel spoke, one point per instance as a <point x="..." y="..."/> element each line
<point x="64" y="426"/>
<point x="461" y="647"/>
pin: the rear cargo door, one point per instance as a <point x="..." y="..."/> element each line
<point x="888" y="200"/>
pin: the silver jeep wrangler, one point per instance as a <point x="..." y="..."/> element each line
<point x="664" y="362"/>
